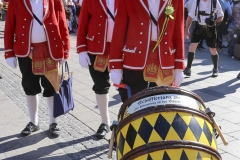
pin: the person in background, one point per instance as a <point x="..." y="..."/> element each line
<point x="78" y="4"/>
<point x="187" y="6"/>
<point x="207" y="19"/>
<point x="71" y="18"/>
<point x="141" y="55"/>
<point x="94" y="38"/>
<point x="226" y="7"/>
<point x="236" y="15"/>
<point x="37" y="52"/>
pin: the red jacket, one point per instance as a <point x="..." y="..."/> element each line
<point x="18" y="26"/>
<point x="92" y="29"/>
<point x="132" y="36"/>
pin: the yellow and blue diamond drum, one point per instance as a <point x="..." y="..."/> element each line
<point x="165" y="123"/>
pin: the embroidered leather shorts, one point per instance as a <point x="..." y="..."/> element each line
<point x="204" y="32"/>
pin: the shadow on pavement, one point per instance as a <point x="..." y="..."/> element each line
<point x="46" y="151"/>
<point x="216" y="92"/>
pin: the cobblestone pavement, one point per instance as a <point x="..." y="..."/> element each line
<point x="77" y="140"/>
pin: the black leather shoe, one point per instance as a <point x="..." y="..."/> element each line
<point x="29" y="129"/>
<point x="102" y="131"/>
<point x="215" y="72"/>
<point x="187" y="71"/>
<point x="53" y="130"/>
<point x="238" y="76"/>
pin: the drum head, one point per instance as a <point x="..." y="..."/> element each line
<point x="160" y="96"/>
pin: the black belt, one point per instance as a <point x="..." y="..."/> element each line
<point x="202" y="26"/>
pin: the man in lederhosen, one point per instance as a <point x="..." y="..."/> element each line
<point x="209" y="14"/>
<point x="94" y="38"/>
<point x="145" y="51"/>
<point x="36" y="35"/>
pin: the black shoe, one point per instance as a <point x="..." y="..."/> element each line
<point x="215" y="72"/>
<point x="29" y="129"/>
<point x="102" y="131"/>
<point x="71" y="32"/>
<point x="238" y="76"/>
<point x="223" y="46"/>
<point x="53" y="130"/>
<point x="187" y="71"/>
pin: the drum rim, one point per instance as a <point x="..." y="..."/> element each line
<point x="155" y="146"/>
<point x="151" y="91"/>
<point x="159" y="109"/>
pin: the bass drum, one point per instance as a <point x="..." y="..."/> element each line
<point x="163" y="123"/>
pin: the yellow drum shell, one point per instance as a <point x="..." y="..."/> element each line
<point x="159" y="124"/>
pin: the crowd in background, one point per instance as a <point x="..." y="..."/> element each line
<point x="72" y="10"/>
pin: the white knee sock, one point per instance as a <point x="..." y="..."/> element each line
<point x="32" y="104"/>
<point x="50" y="108"/>
<point x="102" y="102"/>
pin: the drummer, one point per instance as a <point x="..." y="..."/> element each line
<point x="147" y="53"/>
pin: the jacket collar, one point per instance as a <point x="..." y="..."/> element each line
<point x="145" y="5"/>
<point x="45" y="7"/>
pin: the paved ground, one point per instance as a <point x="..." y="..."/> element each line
<point x="77" y="140"/>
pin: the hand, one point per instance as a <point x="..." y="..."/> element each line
<point x="84" y="59"/>
<point x="116" y="76"/>
<point x="12" y="62"/>
<point x="62" y="61"/>
<point x="178" y="77"/>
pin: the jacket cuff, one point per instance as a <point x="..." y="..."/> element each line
<point x="179" y="64"/>
<point x="66" y="55"/>
<point x="9" y="53"/>
<point x="81" y="48"/>
<point x="115" y="65"/>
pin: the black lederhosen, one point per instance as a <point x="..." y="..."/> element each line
<point x="30" y="82"/>
<point x="100" y="79"/>
<point x="204" y="32"/>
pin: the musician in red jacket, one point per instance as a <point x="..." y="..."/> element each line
<point x="94" y="38"/>
<point x="147" y="44"/>
<point x="36" y="35"/>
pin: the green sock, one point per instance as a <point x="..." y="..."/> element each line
<point x="215" y="61"/>
<point x="191" y="56"/>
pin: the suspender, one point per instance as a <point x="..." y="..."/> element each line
<point x="110" y="14"/>
<point x="213" y="5"/>
<point x="153" y="19"/>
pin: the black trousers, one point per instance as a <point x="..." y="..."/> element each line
<point x="100" y="79"/>
<point x="136" y="82"/>
<point x="32" y="83"/>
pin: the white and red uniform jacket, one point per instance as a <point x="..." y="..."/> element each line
<point x="132" y="36"/>
<point x="18" y="27"/>
<point x="93" y="27"/>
